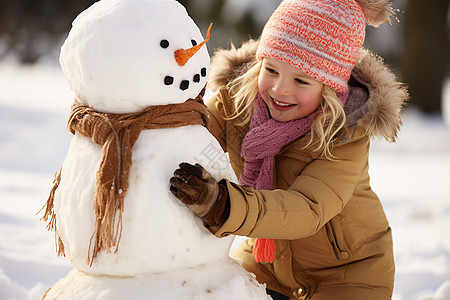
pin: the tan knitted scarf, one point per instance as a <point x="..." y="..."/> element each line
<point x="117" y="133"/>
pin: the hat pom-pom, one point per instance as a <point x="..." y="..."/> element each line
<point x="377" y="12"/>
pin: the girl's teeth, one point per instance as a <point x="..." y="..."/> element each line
<point x="281" y="103"/>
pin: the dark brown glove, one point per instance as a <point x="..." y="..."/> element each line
<point x="201" y="193"/>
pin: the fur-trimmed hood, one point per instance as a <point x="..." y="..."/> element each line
<point x="375" y="96"/>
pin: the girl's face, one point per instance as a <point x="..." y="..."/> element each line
<point x="289" y="93"/>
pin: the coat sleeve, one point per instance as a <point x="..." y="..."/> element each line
<point x="318" y="194"/>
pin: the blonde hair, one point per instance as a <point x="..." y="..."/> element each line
<point x="243" y="89"/>
<point x="327" y="125"/>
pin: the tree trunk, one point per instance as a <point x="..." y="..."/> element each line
<point x="425" y="52"/>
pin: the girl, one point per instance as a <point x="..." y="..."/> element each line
<point x="296" y="111"/>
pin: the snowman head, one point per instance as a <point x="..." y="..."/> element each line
<point x="120" y="57"/>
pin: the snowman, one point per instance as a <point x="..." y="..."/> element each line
<point x="138" y="70"/>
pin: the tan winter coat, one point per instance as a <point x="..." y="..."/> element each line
<point x="329" y="226"/>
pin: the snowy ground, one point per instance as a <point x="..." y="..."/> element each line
<point x="411" y="177"/>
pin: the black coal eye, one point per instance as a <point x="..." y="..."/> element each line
<point x="203" y="72"/>
<point x="194" y="42"/>
<point x="168" y="80"/>
<point x="164" y="44"/>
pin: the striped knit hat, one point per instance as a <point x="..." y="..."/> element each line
<point x="322" y="38"/>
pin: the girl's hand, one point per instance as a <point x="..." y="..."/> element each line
<point x="201" y="193"/>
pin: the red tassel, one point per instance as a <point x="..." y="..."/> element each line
<point x="264" y="250"/>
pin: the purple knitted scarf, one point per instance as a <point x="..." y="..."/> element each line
<point x="264" y="140"/>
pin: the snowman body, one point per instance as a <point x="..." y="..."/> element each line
<point x="159" y="234"/>
<point x="119" y="58"/>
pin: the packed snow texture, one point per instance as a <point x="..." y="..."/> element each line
<point x="223" y="282"/>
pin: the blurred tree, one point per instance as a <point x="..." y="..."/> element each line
<point x="31" y="28"/>
<point x="425" y="52"/>
<point x="225" y="29"/>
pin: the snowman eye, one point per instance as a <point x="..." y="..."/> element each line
<point x="164" y="44"/>
<point x="194" y="42"/>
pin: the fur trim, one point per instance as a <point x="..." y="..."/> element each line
<point x="228" y="64"/>
<point x="377" y="11"/>
<point x="387" y="97"/>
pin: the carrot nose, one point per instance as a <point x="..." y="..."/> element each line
<point x="182" y="56"/>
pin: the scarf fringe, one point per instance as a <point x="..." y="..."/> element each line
<point x="264" y="250"/>
<point x="50" y="216"/>
<point x="108" y="205"/>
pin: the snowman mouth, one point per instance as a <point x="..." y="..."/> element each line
<point x="184" y="84"/>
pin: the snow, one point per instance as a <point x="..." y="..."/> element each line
<point x="411" y="178"/>
<point x="187" y="285"/>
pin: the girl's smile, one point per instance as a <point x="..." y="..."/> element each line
<point x="282" y="106"/>
<point x="288" y="92"/>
